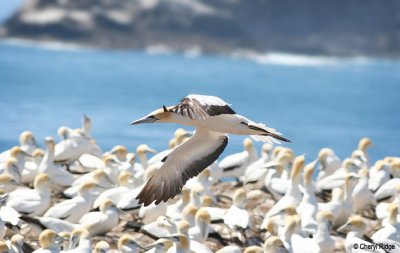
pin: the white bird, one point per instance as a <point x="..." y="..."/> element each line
<point x="237" y="216"/>
<point x="357" y="227"/>
<point x="73" y="209"/>
<point x="101" y="222"/>
<point x="80" y="242"/>
<point x="293" y="194"/>
<point x="274" y="245"/>
<point x="126" y="184"/>
<point x="127" y="244"/>
<point x="323" y="234"/>
<point x="200" y="231"/>
<point x="28" y="142"/>
<point x="392" y="229"/>
<point x="57" y="173"/>
<point x="308" y="206"/>
<point x="337" y="178"/>
<point x="213" y="119"/>
<point x="32" y="167"/>
<point x="363" y="199"/>
<point x="230" y="249"/>
<point x="49" y="242"/>
<point x="387" y="190"/>
<point x="255" y="171"/>
<point x="329" y="163"/>
<point x="101" y="247"/>
<point x="235" y="165"/>
<point x="32" y="202"/>
<point x="174" y="211"/>
<point x="379" y="174"/>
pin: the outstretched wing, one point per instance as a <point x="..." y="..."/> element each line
<point x="184" y="162"/>
<point x="201" y="107"/>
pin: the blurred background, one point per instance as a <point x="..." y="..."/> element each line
<point x="324" y="73"/>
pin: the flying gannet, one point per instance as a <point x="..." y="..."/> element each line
<point x="213" y="119"/>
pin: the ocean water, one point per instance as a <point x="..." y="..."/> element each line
<point x="315" y="102"/>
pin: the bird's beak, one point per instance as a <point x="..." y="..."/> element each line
<point x="150" y="150"/>
<point x="343" y="228"/>
<point x="147" y="119"/>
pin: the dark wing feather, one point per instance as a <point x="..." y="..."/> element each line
<point x="185" y="162"/>
<point x="193" y="109"/>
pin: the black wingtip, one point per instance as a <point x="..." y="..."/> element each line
<point x="279" y="137"/>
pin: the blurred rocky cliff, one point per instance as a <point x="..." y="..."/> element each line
<point x="331" y="27"/>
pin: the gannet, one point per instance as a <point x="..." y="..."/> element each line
<point x="255" y="172"/>
<point x="79" y="242"/>
<point x="49" y="242"/>
<point x="237" y="216"/>
<point x="337" y="178"/>
<point x="253" y="249"/>
<point x="163" y="226"/>
<point x="31" y="167"/>
<point x="363" y="145"/>
<point x="57" y="173"/>
<point x="229" y="249"/>
<point x="274" y="245"/>
<point x="213" y="119"/>
<point x="357" y="227"/>
<point x="127" y="244"/>
<point x="16" y="244"/>
<point x="381" y="208"/>
<point x="3" y="247"/>
<point x="308" y="206"/>
<point x="11" y="170"/>
<point x="273" y="181"/>
<point x="101" y="247"/>
<point x="323" y="234"/>
<point x="73" y="209"/>
<point x="126" y="184"/>
<point x="293" y="194"/>
<point x="174" y="211"/>
<point x="31" y="202"/>
<point x="329" y="163"/>
<point x="200" y="231"/>
<point x="101" y="222"/>
<point x="234" y="165"/>
<point x="362" y="197"/>
<point x="379" y="174"/>
<point x="28" y="142"/>
<point x="392" y="229"/>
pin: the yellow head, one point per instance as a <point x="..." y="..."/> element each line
<point x="41" y="180"/>
<point x="248" y="144"/>
<point x="46" y="238"/>
<point x="26" y="137"/>
<point x="160" y="115"/>
<point x="203" y="214"/>
<point x="298" y="164"/>
<point x="364" y="143"/>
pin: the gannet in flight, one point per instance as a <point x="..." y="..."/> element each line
<point x="213" y="119"/>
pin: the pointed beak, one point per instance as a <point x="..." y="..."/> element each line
<point x="343" y="228"/>
<point x="147" y="119"/>
<point x="152" y="151"/>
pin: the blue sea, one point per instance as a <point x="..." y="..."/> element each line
<point x="323" y="102"/>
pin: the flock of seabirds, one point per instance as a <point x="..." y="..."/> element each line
<point x="71" y="197"/>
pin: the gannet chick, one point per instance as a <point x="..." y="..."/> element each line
<point x="32" y="202"/>
<point x="101" y="247"/>
<point x="73" y="209"/>
<point x="213" y="119"/>
<point x="235" y="165"/>
<point x="28" y="142"/>
<point x="127" y="244"/>
<point x="57" y="174"/>
<point x="357" y="227"/>
<point x="237" y="216"/>
<point x="274" y="245"/>
<point x="200" y="231"/>
<point x="101" y="222"/>
<point x="79" y="242"/>
<point x="49" y="242"/>
<point x="293" y="194"/>
<point x="308" y="206"/>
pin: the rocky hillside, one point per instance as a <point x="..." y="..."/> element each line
<point x="339" y="27"/>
